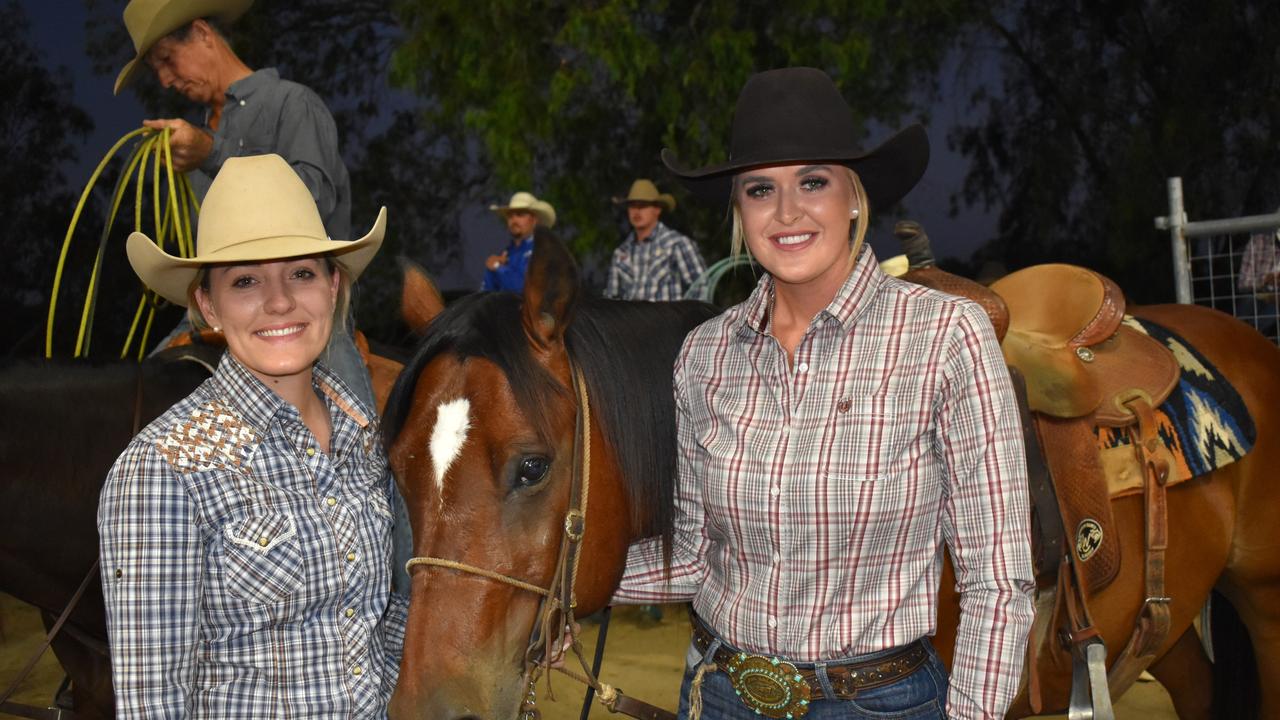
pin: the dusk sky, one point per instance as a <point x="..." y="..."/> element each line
<point x="58" y="32"/>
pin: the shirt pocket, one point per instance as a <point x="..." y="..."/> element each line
<point x="264" y="560"/>
<point x="867" y="440"/>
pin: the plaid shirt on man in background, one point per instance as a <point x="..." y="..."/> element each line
<point x="814" y="497"/>
<point x="1261" y="264"/>
<point x="246" y="571"/>
<point x="660" y="268"/>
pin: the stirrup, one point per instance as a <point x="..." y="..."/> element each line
<point x="1090" y="695"/>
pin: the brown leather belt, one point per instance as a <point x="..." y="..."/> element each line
<point x="847" y="679"/>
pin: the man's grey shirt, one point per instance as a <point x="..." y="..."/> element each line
<point x="264" y="114"/>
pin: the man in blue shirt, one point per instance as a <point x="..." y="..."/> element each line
<point x="522" y="215"/>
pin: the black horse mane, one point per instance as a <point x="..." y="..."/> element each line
<point x="626" y="351"/>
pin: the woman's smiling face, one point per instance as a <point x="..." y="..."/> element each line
<point x="796" y="221"/>
<point x="276" y="316"/>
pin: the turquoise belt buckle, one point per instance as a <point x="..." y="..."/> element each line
<point x="770" y="686"/>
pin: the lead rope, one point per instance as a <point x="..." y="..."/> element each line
<point x="695" y="689"/>
<point x="612" y="698"/>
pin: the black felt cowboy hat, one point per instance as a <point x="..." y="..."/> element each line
<point x="797" y="115"/>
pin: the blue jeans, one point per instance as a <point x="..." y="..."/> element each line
<point x="920" y="695"/>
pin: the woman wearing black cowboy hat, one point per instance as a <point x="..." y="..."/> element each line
<point x="836" y="429"/>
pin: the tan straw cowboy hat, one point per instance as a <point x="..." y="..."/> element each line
<point x="643" y="190"/>
<point x="257" y="210"/>
<point x="526" y="201"/>
<point x="150" y="20"/>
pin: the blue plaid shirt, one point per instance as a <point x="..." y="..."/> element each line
<point x="246" y="571"/>
<point x="660" y="268"/>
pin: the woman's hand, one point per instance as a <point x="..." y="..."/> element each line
<point x="558" y="654"/>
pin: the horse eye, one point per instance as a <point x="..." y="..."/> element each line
<point x="533" y="470"/>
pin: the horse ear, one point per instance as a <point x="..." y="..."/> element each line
<point x="420" y="300"/>
<point x="550" y="289"/>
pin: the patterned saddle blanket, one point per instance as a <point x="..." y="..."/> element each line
<point x="1204" y="423"/>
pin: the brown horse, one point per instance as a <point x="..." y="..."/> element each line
<point x="488" y="486"/>
<point x="1221" y="535"/>
<point x="68" y="421"/>
<point x="483" y="427"/>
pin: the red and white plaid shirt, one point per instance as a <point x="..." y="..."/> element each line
<point x="813" y="499"/>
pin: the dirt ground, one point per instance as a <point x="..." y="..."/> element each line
<point x="643" y="657"/>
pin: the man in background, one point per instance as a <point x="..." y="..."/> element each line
<point x="522" y="216"/>
<point x="654" y="262"/>
<point x="248" y="112"/>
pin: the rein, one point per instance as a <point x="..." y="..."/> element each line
<point x="559" y="595"/>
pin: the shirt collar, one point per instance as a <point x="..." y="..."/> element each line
<point x="259" y="405"/>
<point x="658" y="231"/>
<point x="246" y="86"/>
<point x="850" y="301"/>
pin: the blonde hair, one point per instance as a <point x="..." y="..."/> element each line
<point x="857" y="234"/>
<point x="340" y="306"/>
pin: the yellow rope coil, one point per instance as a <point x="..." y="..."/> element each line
<point x="172" y="223"/>
<point x="66" y="242"/>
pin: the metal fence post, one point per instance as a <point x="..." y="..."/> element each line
<point x="1175" y="222"/>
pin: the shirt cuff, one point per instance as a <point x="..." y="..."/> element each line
<point x="218" y="154"/>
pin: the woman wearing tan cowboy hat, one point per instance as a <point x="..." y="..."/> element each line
<point x="245" y="533"/>
<point x="836" y="430"/>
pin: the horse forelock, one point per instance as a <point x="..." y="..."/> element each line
<point x="483" y="325"/>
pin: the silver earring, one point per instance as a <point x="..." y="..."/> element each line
<point x="217" y="328"/>
<point x="853" y="214"/>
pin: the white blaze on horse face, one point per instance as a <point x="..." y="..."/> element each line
<point x="453" y="420"/>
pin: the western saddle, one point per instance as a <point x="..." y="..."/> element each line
<point x="1062" y="328"/>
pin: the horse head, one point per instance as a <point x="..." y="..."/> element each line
<point x="481" y="431"/>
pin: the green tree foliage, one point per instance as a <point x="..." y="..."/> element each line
<point x="575" y="99"/>
<point x="38" y="124"/>
<point x="1101" y="102"/>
